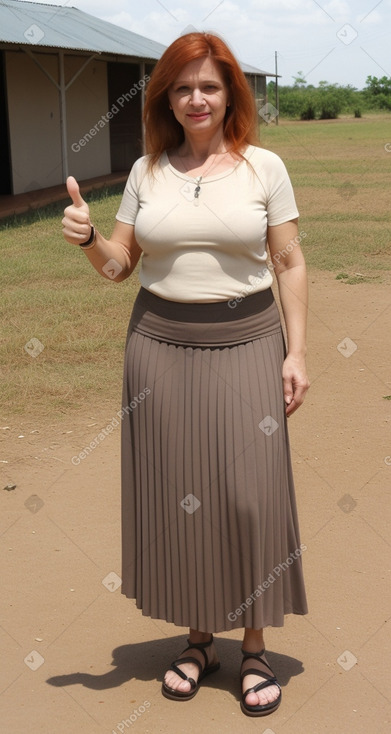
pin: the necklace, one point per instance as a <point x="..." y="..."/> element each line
<point x="197" y="180"/>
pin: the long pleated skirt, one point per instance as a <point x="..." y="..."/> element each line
<point x="210" y="536"/>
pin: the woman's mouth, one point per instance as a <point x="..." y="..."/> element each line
<point x="198" y="115"/>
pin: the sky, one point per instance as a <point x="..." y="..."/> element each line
<point x="338" y="42"/>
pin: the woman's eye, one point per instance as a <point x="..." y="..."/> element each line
<point x="184" y="88"/>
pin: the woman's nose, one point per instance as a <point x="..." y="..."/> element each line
<point x="197" y="97"/>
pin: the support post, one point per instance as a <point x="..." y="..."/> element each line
<point x="277" y="97"/>
<point x="63" y="117"/>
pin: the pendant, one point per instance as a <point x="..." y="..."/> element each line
<point x="197" y="191"/>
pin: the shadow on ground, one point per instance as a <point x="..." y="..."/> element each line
<point x="150" y="660"/>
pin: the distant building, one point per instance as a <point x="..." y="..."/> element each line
<point x="71" y="95"/>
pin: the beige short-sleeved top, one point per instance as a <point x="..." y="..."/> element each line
<point x="216" y="250"/>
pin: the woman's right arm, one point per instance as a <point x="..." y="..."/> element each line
<point x="115" y="258"/>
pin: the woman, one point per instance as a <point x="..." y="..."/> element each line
<point x="209" y="523"/>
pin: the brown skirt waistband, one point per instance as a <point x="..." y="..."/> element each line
<point x="221" y="323"/>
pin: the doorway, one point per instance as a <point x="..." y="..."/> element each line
<point x="5" y="158"/>
<point x="125" y="125"/>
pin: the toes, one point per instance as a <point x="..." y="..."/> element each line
<point x="264" y="698"/>
<point x="184" y="686"/>
<point x="177" y="683"/>
<point x="267" y="695"/>
<point x="252" y="699"/>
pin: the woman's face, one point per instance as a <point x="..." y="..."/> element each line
<point x="199" y="97"/>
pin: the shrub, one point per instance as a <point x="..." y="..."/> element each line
<point x="308" y="112"/>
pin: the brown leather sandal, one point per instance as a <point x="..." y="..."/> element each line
<point x="269" y="679"/>
<point x="176" y="695"/>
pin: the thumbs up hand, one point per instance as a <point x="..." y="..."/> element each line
<point x="76" y="223"/>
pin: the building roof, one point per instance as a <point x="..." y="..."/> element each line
<point x="57" y="26"/>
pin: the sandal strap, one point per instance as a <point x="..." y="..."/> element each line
<point x="269" y="678"/>
<point x="248" y="654"/>
<point x="256" y="656"/>
<point x="183" y="675"/>
<point x="260" y="686"/>
<point x="190" y="659"/>
<point x="201" y="646"/>
<point x="256" y="671"/>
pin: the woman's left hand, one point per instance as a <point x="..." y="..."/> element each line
<point x="295" y="382"/>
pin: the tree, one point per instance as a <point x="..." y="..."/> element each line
<point x="377" y="86"/>
<point x="378" y="92"/>
<point x="299" y="80"/>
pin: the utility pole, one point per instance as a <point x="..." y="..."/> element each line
<point x="276" y="72"/>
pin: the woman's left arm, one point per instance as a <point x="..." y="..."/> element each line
<point x="289" y="266"/>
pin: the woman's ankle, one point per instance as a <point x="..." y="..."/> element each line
<point x="199" y="637"/>
<point x="253" y="640"/>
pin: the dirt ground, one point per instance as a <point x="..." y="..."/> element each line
<point x="78" y="657"/>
